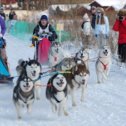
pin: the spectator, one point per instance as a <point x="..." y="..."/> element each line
<point x="120" y="26"/>
<point x="86" y="27"/>
<point x="2" y="13"/>
<point x="12" y="14"/>
<point x="101" y="30"/>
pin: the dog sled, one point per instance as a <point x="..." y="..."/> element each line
<point x="42" y="47"/>
<point x="4" y="71"/>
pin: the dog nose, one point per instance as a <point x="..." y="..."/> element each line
<point x="61" y="81"/>
<point x="106" y="50"/>
<point x="27" y="84"/>
<point x="83" y="81"/>
<point x="82" y="55"/>
<point x="34" y="71"/>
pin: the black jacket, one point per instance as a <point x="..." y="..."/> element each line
<point x="51" y="29"/>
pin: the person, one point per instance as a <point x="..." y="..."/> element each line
<point x="86" y="29"/>
<point x="12" y="14"/>
<point x="120" y="26"/>
<point x="47" y="34"/>
<point x="101" y="30"/>
<point x="2" y="13"/>
<point x="4" y="71"/>
<point x="12" y="21"/>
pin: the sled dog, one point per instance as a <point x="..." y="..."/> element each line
<point x="103" y="64"/>
<point x="23" y="94"/>
<point x="56" y="54"/>
<point x="56" y="93"/>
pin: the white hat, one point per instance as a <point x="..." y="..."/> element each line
<point x="86" y="17"/>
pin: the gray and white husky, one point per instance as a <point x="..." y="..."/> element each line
<point x="23" y="94"/>
<point x="56" y="54"/>
<point x="103" y="64"/>
<point x="65" y="64"/>
<point x="56" y="93"/>
<point x="83" y="55"/>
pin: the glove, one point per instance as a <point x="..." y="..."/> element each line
<point x="34" y="39"/>
<point x="51" y="38"/>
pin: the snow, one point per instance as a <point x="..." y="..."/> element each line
<point x="104" y="105"/>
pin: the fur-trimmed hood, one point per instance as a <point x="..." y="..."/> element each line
<point x="122" y="12"/>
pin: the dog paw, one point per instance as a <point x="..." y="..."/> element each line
<point x="74" y="104"/>
<point x="66" y="113"/>
<point x="98" y="82"/>
<point x="38" y="98"/>
<point x="82" y="99"/>
<point x="19" y="117"/>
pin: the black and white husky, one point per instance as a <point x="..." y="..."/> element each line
<point x="23" y="94"/>
<point x="103" y="64"/>
<point x="56" y="93"/>
<point x="33" y="70"/>
<point x="56" y="54"/>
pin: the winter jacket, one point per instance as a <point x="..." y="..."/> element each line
<point x="87" y="28"/>
<point x="39" y="30"/>
<point x="120" y="26"/>
<point x="102" y="28"/>
<point x="2" y="25"/>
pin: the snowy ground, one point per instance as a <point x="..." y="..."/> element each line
<point x="105" y="104"/>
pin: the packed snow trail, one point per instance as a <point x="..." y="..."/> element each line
<point x="104" y="105"/>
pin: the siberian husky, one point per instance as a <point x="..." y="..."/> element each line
<point x="65" y="64"/>
<point x="56" y="54"/>
<point x="78" y="78"/>
<point x="33" y="70"/>
<point x="83" y="55"/>
<point x="103" y="64"/>
<point x="56" y="93"/>
<point x="21" y="66"/>
<point x="23" y="94"/>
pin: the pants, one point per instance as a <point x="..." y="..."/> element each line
<point x="122" y="52"/>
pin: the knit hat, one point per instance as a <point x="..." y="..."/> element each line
<point x="44" y="17"/>
<point x="122" y="12"/>
<point x="86" y="17"/>
<point x="100" y="9"/>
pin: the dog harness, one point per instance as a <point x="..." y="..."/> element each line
<point x="25" y="100"/>
<point x="104" y="65"/>
<point x="36" y="79"/>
